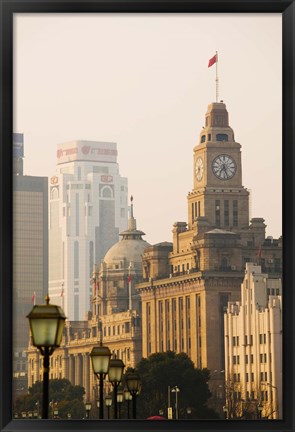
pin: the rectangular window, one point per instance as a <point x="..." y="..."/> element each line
<point x="77" y="214"/>
<point x="193" y="212"/>
<point x="235" y="212"/>
<point x="217" y="212"/>
<point x="247" y="377"/>
<point x="226" y="213"/>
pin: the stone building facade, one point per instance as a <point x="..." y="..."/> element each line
<point x="253" y="348"/>
<point x="188" y="284"/>
<point x="115" y="318"/>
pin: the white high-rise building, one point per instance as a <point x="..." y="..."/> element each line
<point x="88" y="207"/>
<point x="253" y="348"/>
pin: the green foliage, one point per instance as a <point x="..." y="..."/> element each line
<point x="161" y="370"/>
<point x="69" y="398"/>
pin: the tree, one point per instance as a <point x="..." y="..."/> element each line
<point x="161" y="370"/>
<point x="69" y="398"/>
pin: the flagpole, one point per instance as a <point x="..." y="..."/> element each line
<point x="216" y="77"/>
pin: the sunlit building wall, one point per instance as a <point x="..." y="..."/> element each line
<point x="253" y="347"/>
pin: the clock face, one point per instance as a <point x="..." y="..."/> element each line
<point x="224" y="167"/>
<point x="199" y="169"/>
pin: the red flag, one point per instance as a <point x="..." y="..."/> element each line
<point x="212" y="60"/>
<point x="129" y="278"/>
<point x="62" y="290"/>
<point x="34" y="298"/>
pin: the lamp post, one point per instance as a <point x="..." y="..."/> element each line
<point x="133" y="383"/>
<point x="46" y="324"/>
<point x="30" y="414"/>
<point x="176" y="390"/>
<point x="128" y="398"/>
<point x="69" y="415"/>
<point x="88" y="409"/>
<point x="108" y="401"/>
<point x="24" y="414"/>
<point x="115" y="376"/>
<point x="100" y="358"/>
<point x="98" y="406"/>
<point x="120" y="397"/>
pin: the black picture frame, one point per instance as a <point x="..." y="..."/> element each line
<point x="8" y="8"/>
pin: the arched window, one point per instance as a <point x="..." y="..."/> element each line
<point x="203" y="138"/>
<point x="107" y="192"/>
<point x="54" y="193"/>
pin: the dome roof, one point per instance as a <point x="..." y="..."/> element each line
<point x="126" y="250"/>
<point x="130" y="248"/>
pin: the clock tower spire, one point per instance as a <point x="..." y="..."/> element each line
<point x="218" y="198"/>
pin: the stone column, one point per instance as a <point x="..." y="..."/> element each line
<point x="86" y="375"/>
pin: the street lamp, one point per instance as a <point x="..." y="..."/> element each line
<point x="128" y="398"/>
<point x="115" y="376"/>
<point x="88" y="409"/>
<point x="176" y="390"/>
<point x="24" y="414"/>
<point x="188" y="412"/>
<point x="30" y="414"/>
<point x="120" y="397"/>
<point x="46" y="324"/>
<point x="259" y="409"/>
<point x="69" y="415"/>
<point x="133" y="383"/>
<point x="100" y="358"/>
<point x="108" y="401"/>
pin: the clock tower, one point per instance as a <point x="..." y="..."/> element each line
<point x="218" y="198"/>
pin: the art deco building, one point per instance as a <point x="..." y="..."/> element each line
<point x="115" y="318"/>
<point x="187" y="285"/>
<point x="87" y="210"/>
<point x="253" y="348"/>
<point x="30" y="255"/>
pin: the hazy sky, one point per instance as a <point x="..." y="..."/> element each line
<point x="142" y="81"/>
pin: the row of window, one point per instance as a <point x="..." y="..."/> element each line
<point x="219" y="137"/>
<point x="196" y="210"/>
<point x="226" y="213"/>
<point x="262" y="358"/>
<point x="248" y="340"/>
<point x="116" y="330"/>
<point x="174" y="324"/>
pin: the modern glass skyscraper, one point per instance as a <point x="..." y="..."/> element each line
<point x="87" y="210"/>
